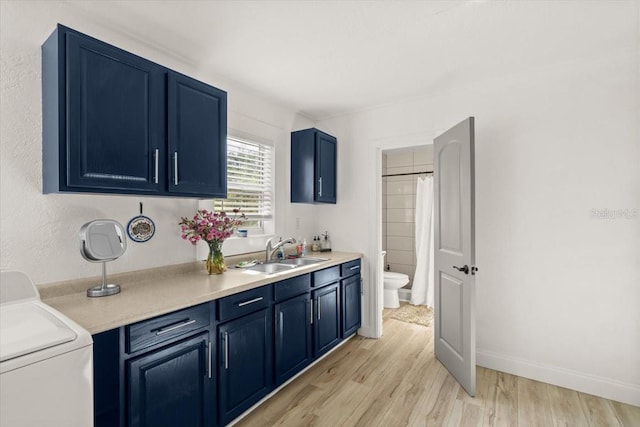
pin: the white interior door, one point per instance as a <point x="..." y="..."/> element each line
<point x="454" y="258"/>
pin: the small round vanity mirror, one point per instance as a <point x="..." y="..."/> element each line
<point x="102" y="240"/>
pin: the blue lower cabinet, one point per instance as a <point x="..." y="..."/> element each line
<point x="351" y="305"/>
<point x="245" y="363"/>
<point x="173" y="386"/>
<point x="293" y="336"/>
<point x="206" y="365"/>
<point x="326" y="329"/>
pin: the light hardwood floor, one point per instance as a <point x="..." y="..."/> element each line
<point x="396" y="381"/>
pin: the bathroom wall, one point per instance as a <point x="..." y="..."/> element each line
<point x="398" y="206"/>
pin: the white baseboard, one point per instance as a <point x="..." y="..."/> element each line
<point x="580" y="381"/>
<point x="404" y="294"/>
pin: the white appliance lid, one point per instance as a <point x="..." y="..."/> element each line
<point x="28" y="327"/>
<point x="16" y="286"/>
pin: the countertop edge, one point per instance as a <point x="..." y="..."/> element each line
<point x="154" y="292"/>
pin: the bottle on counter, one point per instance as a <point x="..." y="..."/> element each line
<point x="281" y="252"/>
<point x="304" y="247"/>
<point x="325" y="245"/>
<point x="315" y="247"/>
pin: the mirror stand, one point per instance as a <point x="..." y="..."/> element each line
<point x="104" y="289"/>
<point x="102" y="240"/>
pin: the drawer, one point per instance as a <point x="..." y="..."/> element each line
<point x="350" y="268"/>
<point x="326" y="276"/>
<point x="291" y="287"/>
<point x="244" y="303"/>
<point x="163" y="328"/>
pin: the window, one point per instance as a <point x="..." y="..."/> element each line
<point x="249" y="181"/>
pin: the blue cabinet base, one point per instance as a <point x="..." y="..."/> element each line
<point x="227" y="355"/>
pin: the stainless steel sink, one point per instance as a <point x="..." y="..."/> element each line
<point x="271" y="268"/>
<point x="284" y="265"/>
<point x="299" y="262"/>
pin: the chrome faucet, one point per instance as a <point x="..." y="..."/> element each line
<point x="270" y="250"/>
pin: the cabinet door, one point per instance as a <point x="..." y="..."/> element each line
<point x="351" y="305"/>
<point x="173" y="386"/>
<point x="293" y="338"/>
<point x="326" y="151"/>
<point x="197" y="129"/>
<point x="115" y="119"/>
<point x="246" y="363"/>
<point x="106" y="381"/>
<point x="327" y="330"/>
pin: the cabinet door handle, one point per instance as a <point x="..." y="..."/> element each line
<point x="281" y="322"/>
<point x="155" y="178"/>
<point x="355" y="267"/>
<point x="174" y="327"/>
<point x="311" y="307"/>
<point x="209" y="361"/>
<point x="320" y="186"/>
<point x="251" y="301"/>
<point x="226" y="350"/>
<point x="319" y="308"/>
<point x="175" y="168"/>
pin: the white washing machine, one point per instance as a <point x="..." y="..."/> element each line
<point x="46" y="362"/>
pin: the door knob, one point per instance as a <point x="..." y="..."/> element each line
<point x="464" y="269"/>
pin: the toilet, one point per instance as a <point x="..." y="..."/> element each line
<point x="393" y="282"/>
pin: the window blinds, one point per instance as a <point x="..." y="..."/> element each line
<point x="249" y="179"/>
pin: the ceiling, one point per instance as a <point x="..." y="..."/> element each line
<point x="327" y="58"/>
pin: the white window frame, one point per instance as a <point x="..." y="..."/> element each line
<point x="266" y="224"/>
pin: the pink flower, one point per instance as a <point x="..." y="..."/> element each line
<point x="210" y="226"/>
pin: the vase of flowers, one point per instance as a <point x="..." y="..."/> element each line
<point x="212" y="228"/>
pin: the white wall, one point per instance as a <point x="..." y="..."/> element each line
<point x="558" y="291"/>
<point x="38" y="233"/>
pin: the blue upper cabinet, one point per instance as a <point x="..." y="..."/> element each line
<point x="313" y="167"/>
<point x="112" y="122"/>
<point x="114" y="117"/>
<point x="197" y="129"/>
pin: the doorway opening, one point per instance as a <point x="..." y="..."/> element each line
<point x="406" y="255"/>
<point x="454" y="255"/>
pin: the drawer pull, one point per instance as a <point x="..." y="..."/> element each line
<point x="251" y="301"/>
<point x="355" y="267"/>
<point x="174" y="327"/>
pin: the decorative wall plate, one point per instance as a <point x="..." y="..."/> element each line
<point x="141" y="228"/>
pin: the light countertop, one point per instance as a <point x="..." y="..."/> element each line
<point x="157" y="291"/>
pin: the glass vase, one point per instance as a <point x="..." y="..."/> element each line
<point x="215" y="260"/>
